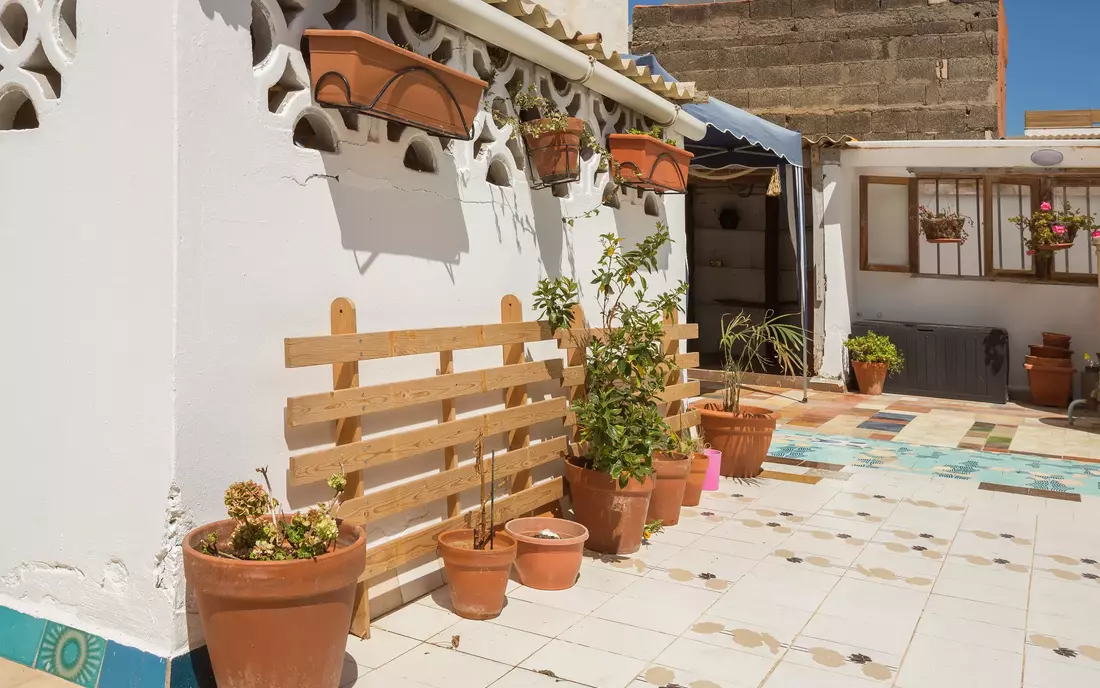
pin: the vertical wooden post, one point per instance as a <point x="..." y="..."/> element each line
<point x="672" y="348"/>
<point x="575" y="357"/>
<point x="348" y="430"/>
<point x="510" y="312"/>
<point x="450" y="454"/>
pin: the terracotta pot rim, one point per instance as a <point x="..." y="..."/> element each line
<point x="191" y="538"/>
<point x="747" y="412"/>
<point x="869" y="364"/>
<point x="541" y="542"/>
<point x="646" y="138"/>
<point x="463" y="533"/>
<point x="1057" y="334"/>
<point x="1061" y="370"/>
<point x="374" y="40"/>
<point x="1053" y="247"/>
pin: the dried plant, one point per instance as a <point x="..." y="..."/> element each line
<point x="483" y="527"/>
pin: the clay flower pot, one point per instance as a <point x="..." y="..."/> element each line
<point x="1059" y="341"/>
<point x="614" y="516"/>
<point x="556" y="155"/>
<point x="1049" y="362"/>
<point x="546" y="564"/>
<point x="478" y="577"/>
<point x="743" y="438"/>
<point x="278" y="624"/>
<point x="1049" y="351"/>
<point x="870" y="376"/>
<point x="1050" y="386"/>
<point x="672" y="474"/>
<point x="648" y="163"/>
<point x="693" y="488"/>
<point x="351" y="69"/>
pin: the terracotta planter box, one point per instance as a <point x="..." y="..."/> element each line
<point x="556" y="155"/>
<point x="743" y="439"/>
<point x="354" y="70"/>
<point x="648" y="163"/>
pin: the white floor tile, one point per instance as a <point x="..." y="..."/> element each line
<point x="491" y="641"/>
<point x="761" y="613"/>
<point x="416" y="621"/>
<point x="942" y="663"/>
<point x="1040" y="673"/>
<point x="863" y="600"/>
<point x="994" y="637"/>
<point x="801" y="588"/>
<point x="738" y="635"/>
<point x="523" y="678"/>
<point x="705" y="660"/>
<point x="790" y="675"/>
<point x="592" y="667"/>
<point x="535" y="618"/>
<point x="440" y="668"/>
<point x="661" y="676"/>
<point x="604" y="579"/>
<point x="618" y="638"/>
<point x="381" y="647"/>
<point x="958" y="608"/>
<point x="665" y="614"/>
<point x="885" y="633"/>
<point x="578" y="599"/>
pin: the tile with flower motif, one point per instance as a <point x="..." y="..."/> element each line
<point x="71" y="654"/>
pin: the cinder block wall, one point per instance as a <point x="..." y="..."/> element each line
<point x="874" y="69"/>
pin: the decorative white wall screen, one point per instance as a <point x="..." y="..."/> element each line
<point x="37" y="44"/>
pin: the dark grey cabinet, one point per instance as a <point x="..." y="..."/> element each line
<point x="951" y="361"/>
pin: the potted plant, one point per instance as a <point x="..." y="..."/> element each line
<point x="275" y="592"/>
<point x="354" y="70"/>
<point x="478" y="560"/>
<point x="554" y="141"/>
<point x="943" y="226"/>
<point x="743" y="433"/>
<point x="646" y="160"/>
<point x="549" y="551"/>
<point x="671" y="469"/>
<point x="619" y="422"/>
<point x="1048" y="230"/>
<point x="873" y="357"/>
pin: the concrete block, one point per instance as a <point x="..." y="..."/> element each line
<point x="982" y="117"/>
<point x="985" y="24"/>
<point x="884" y="136"/>
<point x="853" y="6"/>
<point x="857" y="50"/>
<point x="727" y="10"/>
<point x="810" y="53"/>
<point x="902" y="4"/>
<point x="890" y="120"/>
<point x="764" y="98"/>
<point x="687" y="14"/>
<point x="973" y="44"/>
<point x="922" y="69"/>
<point x="771" y="9"/>
<point x="779" y="118"/>
<point x="903" y="94"/>
<point x="936" y="121"/>
<point x="915" y="46"/>
<point x="851" y="123"/>
<point x="814" y="8"/>
<point x="651" y="15"/>
<point x="821" y="74"/>
<point x="968" y="92"/>
<point x="808" y="123"/>
<point x="875" y="72"/>
<point x="972" y="68"/>
<point x="737" y="97"/>
<point x="825" y="97"/>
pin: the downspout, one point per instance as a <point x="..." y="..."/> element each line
<point x="481" y="19"/>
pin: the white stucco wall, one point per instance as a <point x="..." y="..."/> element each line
<point x="1025" y="310"/>
<point x="87" y="214"/>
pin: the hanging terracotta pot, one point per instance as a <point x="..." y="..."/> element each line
<point x="1049" y="351"/>
<point x="278" y="624"/>
<point x="743" y="438"/>
<point x="478" y="577"/>
<point x="644" y="162"/>
<point x="351" y="69"/>
<point x="556" y="155"/>
<point x="693" y="489"/>
<point x="668" y="495"/>
<point x="1050" y="386"/>
<point x="1058" y="341"/>
<point x="546" y="563"/>
<point x="614" y="516"/>
<point x="870" y="376"/>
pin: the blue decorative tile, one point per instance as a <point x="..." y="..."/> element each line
<point x="72" y="654"/>
<point x="19" y="636"/>
<point x="126" y="667"/>
<point x="192" y="670"/>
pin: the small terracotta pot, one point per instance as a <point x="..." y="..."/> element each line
<point x="693" y="488"/>
<point x="556" y="155"/>
<point x="1043" y="351"/>
<point x="870" y="376"/>
<point x="668" y="496"/>
<point x="1060" y="341"/>
<point x="548" y="564"/>
<point x="615" y="516"/>
<point x="478" y="578"/>
<point x="278" y="624"/>
<point x="1054" y="362"/>
<point x="1050" y="386"/>
<point x="743" y="439"/>
<point x="356" y="70"/>
<point x="648" y="163"/>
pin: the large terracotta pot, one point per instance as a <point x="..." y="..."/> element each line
<point x="356" y="70"/>
<point x="1059" y="341"/>
<point x="277" y="624"/>
<point x="479" y="578"/>
<point x="743" y="439"/>
<point x="556" y="155"/>
<point x="648" y="163"/>
<point x="1050" y="386"/>
<point x="614" y="516"/>
<point x="1043" y="351"/>
<point x="668" y="496"/>
<point x="1050" y="362"/>
<point x="870" y="376"/>
<point x="546" y="564"/>
<point x="693" y="488"/>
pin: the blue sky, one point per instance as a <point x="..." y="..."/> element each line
<point x="1053" y="63"/>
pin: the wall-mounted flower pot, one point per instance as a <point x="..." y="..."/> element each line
<point x="354" y="70"/>
<point x="547" y="563"/>
<point x="1050" y="386"/>
<point x="743" y="438"/>
<point x="668" y="495"/>
<point x="556" y="155"/>
<point x="1060" y="341"/>
<point x="644" y="162"/>
<point x="271" y="623"/>
<point x="870" y="376"/>
<point x="1049" y="351"/>
<point x="944" y="230"/>
<point x="614" y="516"/>
<point x="697" y="476"/>
<point x="478" y="577"/>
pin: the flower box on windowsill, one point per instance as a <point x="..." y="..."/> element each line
<point x="644" y="162"/>
<point x="356" y="71"/>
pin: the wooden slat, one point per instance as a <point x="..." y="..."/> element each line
<point x="673" y="395"/>
<point x="515" y="396"/>
<point x="687" y="419"/>
<point x="347" y="403"/>
<point x="673" y="391"/>
<point x="450" y="454"/>
<point x="376" y="505"/>
<point x="577" y="337"/>
<point x="310" y="351"/>
<point x="423" y="542"/>
<point x="574" y="375"/>
<point x="1059" y="119"/>
<point x="377" y="451"/>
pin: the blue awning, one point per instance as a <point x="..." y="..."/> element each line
<point x="734" y="137"/>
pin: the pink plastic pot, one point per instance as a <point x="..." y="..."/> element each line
<point x="714" y="469"/>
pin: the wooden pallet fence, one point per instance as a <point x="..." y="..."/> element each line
<point x="348" y="402"/>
